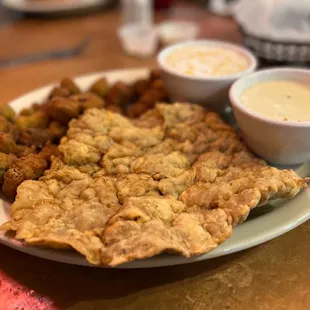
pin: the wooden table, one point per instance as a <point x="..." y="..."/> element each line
<point x="275" y="275"/>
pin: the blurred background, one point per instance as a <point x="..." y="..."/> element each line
<point x="53" y="38"/>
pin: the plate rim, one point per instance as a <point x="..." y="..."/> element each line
<point x="230" y="246"/>
<point x="36" y="6"/>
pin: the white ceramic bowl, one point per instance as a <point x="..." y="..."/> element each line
<point x="279" y="142"/>
<point x="209" y="91"/>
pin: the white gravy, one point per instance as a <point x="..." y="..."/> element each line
<point x="281" y="100"/>
<point x="206" y="61"/>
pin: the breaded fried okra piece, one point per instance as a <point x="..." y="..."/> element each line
<point x="119" y="94"/>
<point x="148" y="99"/>
<point x="5" y="124"/>
<point x="70" y="85"/>
<point x="57" y="130"/>
<point x="59" y="92"/>
<point x="30" y="167"/>
<point x="37" y="119"/>
<point x="158" y="84"/>
<point x="140" y="86"/>
<point x="155" y="74"/>
<point x="37" y="137"/>
<point x="5" y="161"/>
<point x="7" y="112"/>
<point x="100" y="87"/>
<point x="48" y="151"/>
<point x="63" y="109"/>
<point x="137" y="109"/>
<point x="8" y="145"/>
<point x="32" y="109"/>
<point x="88" y="101"/>
<point x="114" y="108"/>
<point x="24" y="150"/>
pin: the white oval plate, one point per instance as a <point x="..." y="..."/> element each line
<point x="52" y="6"/>
<point x="264" y="226"/>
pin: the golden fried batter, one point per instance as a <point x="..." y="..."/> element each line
<point x="8" y="127"/>
<point x="63" y="109"/>
<point x="57" y="130"/>
<point x="48" y="151"/>
<point x="5" y="161"/>
<point x="100" y="87"/>
<point x="88" y="101"/>
<point x="59" y="92"/>
<point x="119" y="94"/>
<point x="37" y="119"/>
<point x="70" y="86"/>
<point x="30" y="167"/>
<point x="8" y="145"/>
<point x="35" y="136"/>
<point x="7" y="112"/>
<point x="176" y="180"/>
<point x="4" y="124"/>
<point x="140" y="86"/>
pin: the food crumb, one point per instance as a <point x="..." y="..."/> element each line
<point x="285" y="118"/>
<point x="190" y="299"/>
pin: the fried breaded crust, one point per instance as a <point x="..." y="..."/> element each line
<point x="177" y="180"/>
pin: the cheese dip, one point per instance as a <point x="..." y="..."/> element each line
<point x="206" y="61"/>
<point x="282" y="100"/>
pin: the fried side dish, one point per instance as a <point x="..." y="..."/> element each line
<point x="41" y="126"/>
<point x="176" y="180"/>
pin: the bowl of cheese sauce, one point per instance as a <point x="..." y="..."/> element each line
<point x="280" y="100"/>
<point x="272" y="108"/>
<point x="202" y="71"/>
<point x="206" y="61"/>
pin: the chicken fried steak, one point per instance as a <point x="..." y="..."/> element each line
<point x="177" y="180"/>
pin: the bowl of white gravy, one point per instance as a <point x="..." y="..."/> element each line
<point x="272" y="108"/>
<point x="202" y="71"/>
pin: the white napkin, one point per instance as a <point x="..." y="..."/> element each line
<point x="279" y="20"/>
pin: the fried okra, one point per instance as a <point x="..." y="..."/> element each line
<point x="70" y="85"/>
<point x="7" y="112"/>
<point x="30" y="167"/>
<point x="37" y="119"/>
<point x="140" y="86"/>
<point x="155" y="74"/>
<point x="37" y="137"/>
<point x="8" y="145"/>
<point x="48" y="151"/>
<point x="114" y="108"/>
<point x="100" y="87"/>
<point x="5" y="124"/>
<point x="119" y="94"/>
<point x="5" y="162"/>
<point x="88" y="101"/>
<point x="137" y="109"/>
<point x="148" y="99"/>
<point x="34" y="108"/>
<point x="57" y="130"/>
<point x="63" y="109"/>
<point x="26" y="139"/>
<point x="59" y="92"/>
